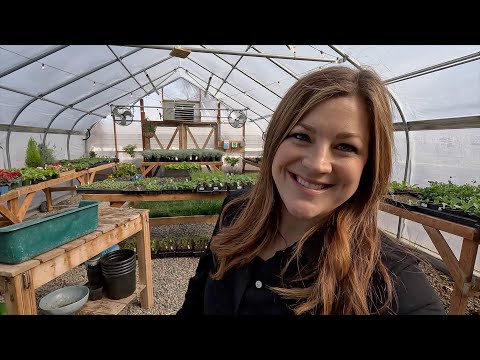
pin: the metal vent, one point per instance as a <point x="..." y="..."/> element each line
<point x="179" y="111"/>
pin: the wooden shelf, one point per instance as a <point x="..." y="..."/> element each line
<point x="107" y="306"/>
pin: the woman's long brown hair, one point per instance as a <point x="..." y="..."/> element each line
<point x="342" y="277"/>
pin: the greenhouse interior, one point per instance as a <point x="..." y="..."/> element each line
<point x="88" y="132"/>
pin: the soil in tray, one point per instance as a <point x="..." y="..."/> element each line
<point x="135" y="188"/>
<point x="405" y="198"/>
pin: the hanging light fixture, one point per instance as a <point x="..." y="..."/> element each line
<point x="180" y="52"/>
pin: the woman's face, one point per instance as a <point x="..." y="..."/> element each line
<point x="319" y="164"/>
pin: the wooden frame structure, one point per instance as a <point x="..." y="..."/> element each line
<point x="18" y="282"/>
<point x="460" y="270"/>
<point x="15" y="210"/>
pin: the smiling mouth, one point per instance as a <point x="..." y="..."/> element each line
<point x="307" y="185"/>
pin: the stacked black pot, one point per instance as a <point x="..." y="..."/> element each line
<point x="119" y="273"/>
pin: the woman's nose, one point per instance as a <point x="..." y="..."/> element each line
<point x="318" y="161"/>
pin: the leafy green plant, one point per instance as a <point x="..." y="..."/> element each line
<point x="130" y="150"/>
<point x="232" y="160"/>
<point x="47" y="155"/>
<point x="33" y="157"/>
<point x="92" y="154"/>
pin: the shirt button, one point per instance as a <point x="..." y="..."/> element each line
<point x="258" y="284"/>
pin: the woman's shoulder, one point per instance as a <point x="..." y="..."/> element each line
<point x="395" y="255"/>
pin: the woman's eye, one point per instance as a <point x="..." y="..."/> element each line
<point x="347" y="148"/>
<point x="300" y="136"/>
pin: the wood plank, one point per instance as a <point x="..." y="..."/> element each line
<point x="160" y="197"/>
<point x="433" y="222"/>
<point x="174" y="220"/>
<point x="145" y="263"/>
<point x="25" y="205"/>
<point x="49" y="255"/>
<point x="172" y="138"/>
<point x="11" y="270"/>
<point x="63" y="188"/>
<point x="193" y="137"/>
<point x="106" y="306"/>
<point x="74" y="257"/>
<point x="49" y="183"/>
<point x="208" y="138"/>
<point x="459" y="297"/>
<point x="158" y="141"/>
<point x="147" y="168"/>
<point x="72" y="244"/>
<point x="9" y="215"/>
<point x="48" y="198"/>
<point x="101" y="167"/>
<point x="9" y="195"/>
<point x="21" y="299"/>
<point x="447" y="255"/>
<point x="161" y="163"/>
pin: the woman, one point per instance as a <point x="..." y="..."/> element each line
<point x="304" y="240"/>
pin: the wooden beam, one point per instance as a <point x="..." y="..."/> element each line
<point x="433" y="222"/>
<point x="53" y="268"/>
<point x="158" y="140"/>
<point x="172" y="138"/>
<point x="9" y="215"/>
<point x="22" y="299"/>
<point x="208" y="138"/>
<point x="191" y="135"/>
<point x="459" y="297"/>
<point x="48" y="198"/>
<point x="447" y="255"/>
<point x="144" y="251"/>
<point x="175" y="220"/>
<point x="161" y="197"/>
<point x="63" y="188"/>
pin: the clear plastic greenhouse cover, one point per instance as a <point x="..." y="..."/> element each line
<point x="62" y="94"/>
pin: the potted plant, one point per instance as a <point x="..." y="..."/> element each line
<point x="130" y="150"/>
<point x="148" y="128"/>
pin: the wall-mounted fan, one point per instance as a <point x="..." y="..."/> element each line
<point x="237" y="118"/>
<point x="123" y="116"/>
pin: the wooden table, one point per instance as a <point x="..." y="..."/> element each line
<point x="117" y="200"/>
<point x="14" y="211"/>
<point x="248" y="162"/>
<point x="461" y="270"/>
<point x="149" y="167"/>
<point x="18" y="282"/>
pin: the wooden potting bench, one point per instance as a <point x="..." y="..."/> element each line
<point x="18" y="282"/>
<point x="13" y="208"/>
<point x="460" y="270"/>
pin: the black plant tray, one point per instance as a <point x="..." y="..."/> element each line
<point x="399" y="204"/>
<point x="450" y="217"/>
<point x="98" y="191"/>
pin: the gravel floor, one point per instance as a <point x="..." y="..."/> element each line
<point x="171" y="275"/>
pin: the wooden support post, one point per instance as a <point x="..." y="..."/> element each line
<point x="48" y="198"/>
<point x="115" y="135"/>
<point x="21" y="299"/>
<point x="459" y="298"/>
<point x="142" y="239"/>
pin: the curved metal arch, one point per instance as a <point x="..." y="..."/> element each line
<point x="231" y="70"/>
<point x="242" y="72"/>
<point x="407" y="174"/>
<point x="90" y="128"/>
<point x="7" y="144"/>
<point x="243" y="92"/>
<point x="118" y="82"/>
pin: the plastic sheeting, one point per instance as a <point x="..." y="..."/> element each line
<point x="72" y="87"/>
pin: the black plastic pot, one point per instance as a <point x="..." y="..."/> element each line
<point x="119" y="271"/>
<point x="96" y="292"/>
<point x="122" y="286"/>
<point x="117" y="258"/>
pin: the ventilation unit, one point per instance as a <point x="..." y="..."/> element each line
<point x="179" y="110"/>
